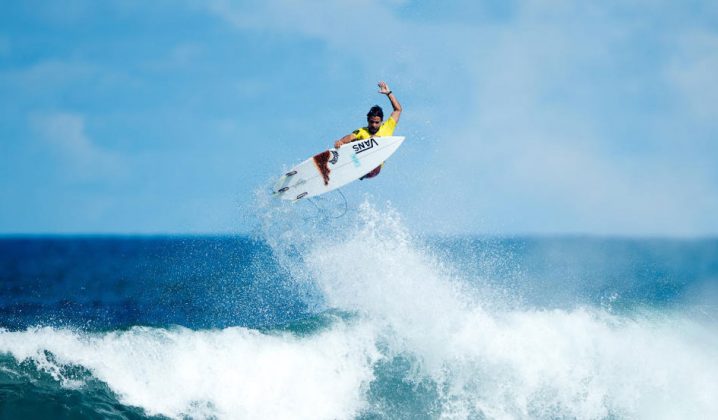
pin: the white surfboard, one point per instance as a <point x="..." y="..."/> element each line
<point x="335" y="168"/>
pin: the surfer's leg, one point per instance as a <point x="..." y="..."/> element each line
<point x="373" y="173"/>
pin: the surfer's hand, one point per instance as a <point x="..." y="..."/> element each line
<point x="338" y="144"/>
<point x="384" y="88"/>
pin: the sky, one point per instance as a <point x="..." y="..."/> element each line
<point x="522" y="118"/>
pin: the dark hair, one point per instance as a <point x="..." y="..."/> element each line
<point x="375" y="111"/>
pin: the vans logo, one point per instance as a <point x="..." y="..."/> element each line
<point x="364" y="145"/>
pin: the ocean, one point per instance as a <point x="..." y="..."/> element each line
<point x="313" y="316"/>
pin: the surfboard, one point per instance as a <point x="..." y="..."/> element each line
<point x="334" y="168"/>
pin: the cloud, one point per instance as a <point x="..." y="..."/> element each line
<point x="182" y="56"/>
<point x="65" y="136"/>
<point x="47" y="74"/>
<point x="541" y="182"/>
<point x="558" y="117"/>
<point x="694" y="72"/>
<point x="251" y="88"/>
<point x="356" y="25"/>
<point x="541" y="149"/>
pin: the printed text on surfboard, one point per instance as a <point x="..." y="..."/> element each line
<point x="364" y="145"/>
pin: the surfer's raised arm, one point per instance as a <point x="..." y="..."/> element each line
<point x="384" y="90"/>
<point x="376" y="126"/>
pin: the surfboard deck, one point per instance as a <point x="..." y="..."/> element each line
<point x="334" y="168"/>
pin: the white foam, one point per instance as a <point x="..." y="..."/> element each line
<point x="230" y="373"/>
<point x="583" y="363"/>
<point x="504" y="364"/>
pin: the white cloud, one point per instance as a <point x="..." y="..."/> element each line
<point x="65" y="136"/>
<point x="694" y="73"/>
<point x="357" y="25"/>
<point x="533" y="157"/>
<point x="182" y="55"/>
<point x="528" y="112"/>
<point x="251" y="88"/>
<point x="46" y="74"/>
<point x="66" y="12"/>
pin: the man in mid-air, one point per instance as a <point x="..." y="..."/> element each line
<point x="376" y="127"/>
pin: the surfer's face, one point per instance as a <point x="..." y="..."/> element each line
<point x="373" y="124"/>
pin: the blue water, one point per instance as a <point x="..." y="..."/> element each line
<point x="104" y="283"/>
<point x="375" y="323"/>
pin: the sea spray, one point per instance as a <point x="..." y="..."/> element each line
<point x="511" y="363"/>
<point x="230" y="373"/>
<point x="404" y="328"/>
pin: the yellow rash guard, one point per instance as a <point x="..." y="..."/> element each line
<point x="386" y="129"/>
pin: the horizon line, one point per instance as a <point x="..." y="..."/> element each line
<point x="199" y="235"/>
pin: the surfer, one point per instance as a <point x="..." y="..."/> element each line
<point x="376" y="127"/>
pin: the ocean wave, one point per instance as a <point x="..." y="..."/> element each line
<point x="400" y="332"/>
<point x="521" y="364"/>
<point x="486" y="356"/>
<point x="229" y="373"/>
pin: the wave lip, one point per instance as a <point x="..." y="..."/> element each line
<point x="230" y="373"/>
<point x="486" y="359"/>
<point x="401" y="332"/>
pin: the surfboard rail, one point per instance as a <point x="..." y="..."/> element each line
<point x="334" y="168"/>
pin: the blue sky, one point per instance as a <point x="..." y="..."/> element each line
<point x="536" y="117"/>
